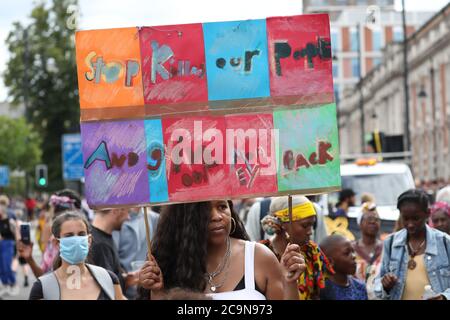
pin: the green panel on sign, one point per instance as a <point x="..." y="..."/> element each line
<point x="308" y="149"/>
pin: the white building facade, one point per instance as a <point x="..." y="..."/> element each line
<point x="429" y="100"/>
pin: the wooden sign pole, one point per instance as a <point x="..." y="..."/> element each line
<point x="290" y="215"/>
<point x="290" y="225"/>
<point x="147" y="232"/>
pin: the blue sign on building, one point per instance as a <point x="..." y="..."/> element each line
<point x="4" y="176"/>
<point x="72" y="157"/>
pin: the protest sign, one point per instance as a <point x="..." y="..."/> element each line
<point x="207" y="111"/>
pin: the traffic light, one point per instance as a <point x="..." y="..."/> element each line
<point x="41" y="175"/>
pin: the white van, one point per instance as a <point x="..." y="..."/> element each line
<point x="385" y="181"/>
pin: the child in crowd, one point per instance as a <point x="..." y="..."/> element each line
<point x="341" y="285"/>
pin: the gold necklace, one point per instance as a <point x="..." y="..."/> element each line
<point x="411" y="263"/>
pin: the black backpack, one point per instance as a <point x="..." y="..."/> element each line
<point x="264" y="210"/>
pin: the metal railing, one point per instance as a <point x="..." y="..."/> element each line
<point x="404" y="156"/>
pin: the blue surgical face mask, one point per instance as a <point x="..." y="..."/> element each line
<point x="74" y="250"/>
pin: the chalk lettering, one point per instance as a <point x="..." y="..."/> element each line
<point x="300" y="161"/>
<point x="313" y="158"/>
<point x="101" y="154"/>
<point x="235" y="62"/>
<point x="220" y="63"/>
<point x="321" y="49"/>
<point x="111" y="71"/>
<point x="288" y="160"/>
<point x="133" y="159"/>
<point x="132" y="71"/>
<point x="118" y="161"/>
<point x="159" y="56"/>
<point x="248" y="59"/>
<point x="324" y="156"/>
<point x="319" y="157"/>
<point x="282" y="50"/>
<point x="155" y="157"/>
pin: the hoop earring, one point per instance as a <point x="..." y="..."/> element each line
<point x="234" y="223"/>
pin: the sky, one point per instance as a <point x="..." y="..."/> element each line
<point x="98" y="14"/>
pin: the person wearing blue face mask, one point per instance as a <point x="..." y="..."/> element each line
<point x="73" y="278"/>
<point x="131" y="243"/>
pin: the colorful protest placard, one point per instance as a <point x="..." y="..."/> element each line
<point x="218" y="110"/>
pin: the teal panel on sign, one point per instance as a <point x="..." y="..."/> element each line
<point x="156" y="161"/>
<point x="308" y="149"/>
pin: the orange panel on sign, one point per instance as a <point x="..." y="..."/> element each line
<point x="109" y="68"/>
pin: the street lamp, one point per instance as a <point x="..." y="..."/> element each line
<point x="422" y="94"/>
<point x="360" y="88"/>
<point x="374" y="115"/>
<point x="407" y="136"/>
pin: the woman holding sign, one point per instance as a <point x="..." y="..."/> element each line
<point x="298" y="231"/>
<point x="204" y="247"/>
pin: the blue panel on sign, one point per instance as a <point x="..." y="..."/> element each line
<point x="236" y="59"/>
<point x="4" y="176"/>
<point x="156" y="161"/>
<point x="72" y="157"/>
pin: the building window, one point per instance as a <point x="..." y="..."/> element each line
<point x="319" y="3"/>
<point x="355" y="67"/>
<point x="353" y="40"/>
<point x="376" y="40"/>
<point x="376" y="61"/>
<point x="385" y="2"/>
<point x="336" y="93"/>
<point x="335" y="42"/>
<point x="398" y="34"/>
<point x="336" y="69"/>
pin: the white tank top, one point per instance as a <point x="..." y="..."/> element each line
<point x="249" y="292"/>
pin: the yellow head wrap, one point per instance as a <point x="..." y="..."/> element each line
<point x="300" y="211"/>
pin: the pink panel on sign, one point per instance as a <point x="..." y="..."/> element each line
<point x="173" y="62"/>
<point x="195" y="158"/>
<point x="300" y="57"/>
<point x="254" y="168"/>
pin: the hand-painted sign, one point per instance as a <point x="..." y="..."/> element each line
<point x="207" y="111"/>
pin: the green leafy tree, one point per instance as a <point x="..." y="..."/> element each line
<point x="20" y="146"/>
<point x="41" y="73"/>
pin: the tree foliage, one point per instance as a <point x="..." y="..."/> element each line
<point x="42" y="67"/>
<point x="20" y="145"/>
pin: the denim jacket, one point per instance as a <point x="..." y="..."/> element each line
<point x="396" y="256"/>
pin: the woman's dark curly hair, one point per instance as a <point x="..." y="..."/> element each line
<point x="180" y="243"/>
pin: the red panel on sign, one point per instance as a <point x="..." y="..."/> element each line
<point x="173" y="63"/>
<point x="300" y="57"/>
<point x="195" y="158"/>
<point x="254" y="168"/>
